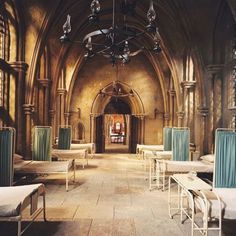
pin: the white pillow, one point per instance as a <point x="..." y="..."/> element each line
<point x="208" y="158"/>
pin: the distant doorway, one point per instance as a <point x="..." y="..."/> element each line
<point x="116" y="125"/>
<point x="116" y="133"/>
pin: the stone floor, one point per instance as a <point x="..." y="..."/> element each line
<point x="111" y="197"/>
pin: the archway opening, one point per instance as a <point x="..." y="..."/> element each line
<point x="116" y="126"/>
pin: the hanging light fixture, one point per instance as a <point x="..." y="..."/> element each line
<point x="116" y="91"/>
<point x="114" y="42"/>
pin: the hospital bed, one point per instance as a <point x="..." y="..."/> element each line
<point x="220" y="202"/>
<point x="90" y="147"/>
<point x="77" y="155"/>
<point x="141" y="148"/>
<point x="41" y="163"/>
<point x="28" y="167"/>
<point x="165" y="168"/>
<point x="167" y="143"/>
<point x="15" y="199"/>
<point x="65" y="138"/>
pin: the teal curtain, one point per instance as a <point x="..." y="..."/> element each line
<point x="225" y="159"/>
<point x="41" y="146"/>
<point x="167" y="135"/>
<point x="180" y="144"/>
<point x="6" y="157"/>
<point x="64" y="139"/>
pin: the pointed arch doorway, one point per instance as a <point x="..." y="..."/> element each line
<point x="117" y="126"/>
<point x="117" y="121"/>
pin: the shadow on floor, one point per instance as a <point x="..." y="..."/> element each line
<point x="116" y="148"/>
<point x="48" y="228"/>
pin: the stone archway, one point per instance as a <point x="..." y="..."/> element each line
<point x="131" y="105"/>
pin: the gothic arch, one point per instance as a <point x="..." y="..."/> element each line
<point x="135" y="102"/>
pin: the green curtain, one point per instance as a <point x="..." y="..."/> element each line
<point x="6" y="157"/>
<point x="64" y="139"/>
<point x="167" y="135"/>
<point x="180" y="144"/>
<point x="225" y="159"/>
<point x="42" y="141"/>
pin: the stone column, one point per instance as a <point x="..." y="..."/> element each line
<point x="61" y="92"/>
<point x="28" y="110"/>
<point x="141" y="117"/>
<point x="44" y="95"/>
<point x="180" y="116"/>
<point x="166" y="119"/>
<point x="189" y="108"/>
<point x="92" y="126"/>
<point x="67" y="115"/>
<point x="201" y="132"/>
<point x="21" y="68"/>
<point x="233" y="117"/>
<point x="52" y="123"/>
<point x="215" y="91"/>
<point x="172" y="95"/>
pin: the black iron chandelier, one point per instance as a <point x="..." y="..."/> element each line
<point x="114" y="42"/>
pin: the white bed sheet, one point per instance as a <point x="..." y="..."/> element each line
<point x="89" y="146"/>
<point x="228" y="198"/>
<point x="69" y="154"/>
<point x="184" y="166"/>
<point x="44" y="167"/>
<point x="167" y="155"/>
<point x="11" y="198"/>
<point x="142" y="147"/>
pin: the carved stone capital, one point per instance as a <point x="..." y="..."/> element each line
<point x="215" y="68"/>
<point x="203" y="111"/>
<point x="233" y="110"/>
<point x="28" y="109"/>
<point x="188" y="84"/>
<point x="61" y="91"/>
<point x="172" y="93"/>
<point x="44" y="82"/>
<point x="67" y="114"/>
<point x="180" y="114"/>
<point x="166" y="116"/>
<point x="51" y="113"/>
<point x="19" y="66"/>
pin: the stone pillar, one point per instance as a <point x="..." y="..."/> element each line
<point x="180" y="116"/>
<point x="21" y="68"/>
<point x="52" y="123"/>
<point x="203" y="130"/>
<point x="44" y="100"/>
<point x="92" y="126"/>
<point x="233" y="119"/>
<point x="61" y="105"/>
<point x="141" y="117"/>
<point x="127" y="131"/>
<point x="172" y="95"/>
<point x="189" y="107"/>
<point x="215" y="102"/>
<point x="28" y="110"/>
<point x="66" y="115"/>
<point x="166" y="119"/>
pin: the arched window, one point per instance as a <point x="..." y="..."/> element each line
<point x="3" y="42"/>
<point x="6" y="20"/>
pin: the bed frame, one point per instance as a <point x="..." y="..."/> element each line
<point x="45" y="168"/>
<point x="31" y="200"/>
